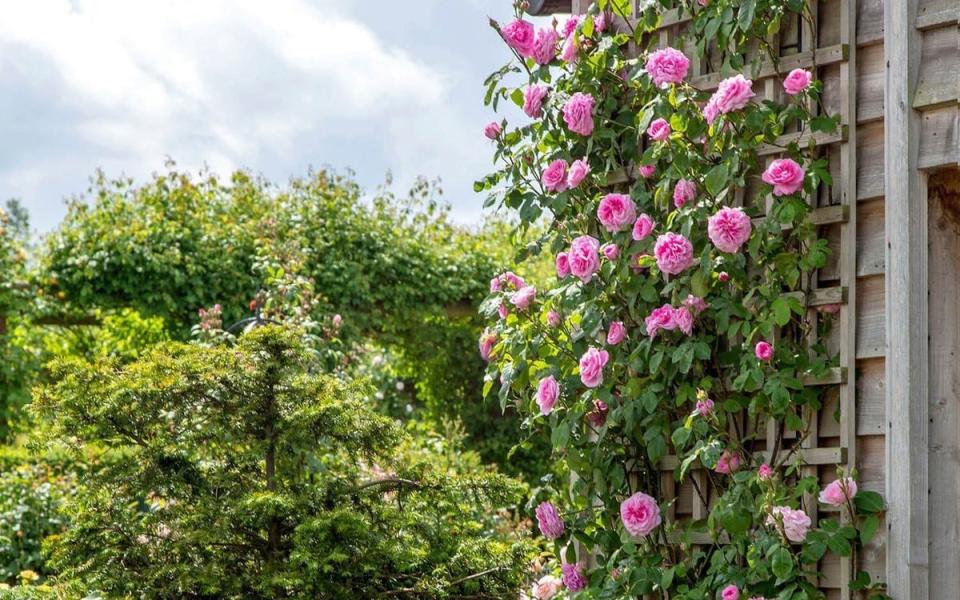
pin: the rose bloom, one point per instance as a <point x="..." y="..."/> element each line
<point x="578" y="171"/>
<point x="569" y="53"/>
<point x="685" y="191"/>
<point x="503" y="311"/>
<point x="659" y="130"/>
<point x="728" y="229"/>
<point x="520" y="36"/>
<point x="764" y="473"/>
<point x="598" y="416"/>
<point x="570" y="25"/>
<point x="545" y="45"/>
<point x="513" y="280"/>
<point x="667" y="66"/>
<point x="554" y="319"/>
<point x="728" y="462"/>
<point x="591" y="366"/>
<point x="578" y="113"/>
<point x="524" y="297"/>
<point x="695" y="304"/>
<point x="554" y="177"/>
<point x="487" y="341"/>
<point x="642" y="227"/>
<point x="492" y="130"/>
<point x="611" y="251"/>
<point x="731" y="592"/>
<point x="704" y="406"/>
<point x="647" y="171"/>
<point x="797" y="81"/>
<point x="573" y="577"/>
<point x="674" y="253"/>
<point x="549" y="521"/>
<point x="495" y="285"/>
<point x="732" y="94"/>
<point x="839" y="491"/>
<point x="684" y="319"/>
<point x="796" y="523"/>
<point x="533" y="100"/>
<point x="785" y="175"/>
<point x="640" y="514"/>
<point x="563" y="265"/>
<point x="584" y="258"/>
<point x="547" y="393"/>
<point x="546" y="587"/>
<point x="616" y="212"/>
<point x="763" y="351"/>
<point x="616" y="333"/>
<point x="660" y="318"/>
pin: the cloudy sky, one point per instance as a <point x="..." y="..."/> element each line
<point x="275" y="87"/>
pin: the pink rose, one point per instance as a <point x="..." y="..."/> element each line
<point x="492" y="130"/>
<point x="785" y="176"/>
<point x="732" y="94"/>
<point x="524" y="297"/>
<point x="684" y="319"/>
<point x="545" y="45"/>
<point x="704" y="406"/>
<point x="659" y="130"/>
<point x="764" y="473"/>
<point x="763" y="351"/>
<point x="616" y="333"/>
<point x="728" y="229"/>
<point x="796" y="523"/>
<point x="600" y="22"/>
<point x="495" y="285"/>
<point x="797" y="81"/>
<point x="616" y="212"/>
<point x="551" y="525"/>
<point x="520" y="36"/>
<point x="554" y="319"/>
<point x="640" y="514"/>
<point x="578" y="113"/>
<point x="731" y="592"/>
<point x="685" y="191"/>
<point x="660" y="318"/>
<point x="547" y="393"/>
<point x="647" y="171"/>
<point x="591" y="366"/>
<point x="584" y="258"/>
<point x="695" y="304"/>
<point x="674" y="253"/>
<point x="728" y="462"/>
<point x="839" y="491"/>
<point x="569" y="53"/>
<point x="487" y="341"/>
<point x="723" y="276"/>
<point x="554" y="177"/>
<point x="667" y="66"/>
<point x="573" y="577"/>
<point x="503" y="311"/>
<point x="570" y="25"/>
<point x="563" y="265"/>
<point x="598" y="416"/>
<point x="578" y="171"/>
<point x="533" y="100"/>
<point x="611" y="251"/>
<point x="642" y="227"/>
<point x="546" y="587"/>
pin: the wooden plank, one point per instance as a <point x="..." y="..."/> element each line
<point x="810" y="456"/>
<point x="938" y="83"/>
<point x="870" y="415"/>
<point x="932" y="14"/>
<point x="906" y="321"/>
<point x="832" y="376"/>
<point x="870" y="22"/>
<point x="821" y="296"/>
<point x="939" y="138"/>
<point x="871" y="238"/>
<point x="870" y="161"/>
<point x="804" y="141"/>
<point x="870" y="74"/>
<point x="871" y="332"/>
<point x="802" y="60"/>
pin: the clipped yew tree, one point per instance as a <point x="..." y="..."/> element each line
<point x="673" y="326"/>
<point x="238" y="472"/>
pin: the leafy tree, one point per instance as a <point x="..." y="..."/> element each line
<point x="246" y="474"/>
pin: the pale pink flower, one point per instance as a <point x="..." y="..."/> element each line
<point x="704" y="406"/>
<point x="533" y="100"/>
<point x="578" y="113"/>
<point x="554" y="319"/>
<point x="520" y="36"/>
<point x="492" y="130"/>
<point x="642" y="227"/>
<point x="667" y="66"/>
<point x="797" y="81"/>
<point x="616" y="333"/>
<point x="785" y="175"/>
<point x="546" y="587"/>
<point x="611" y="251"/>
<point x="584" y="258"/>
<point x="695" y="304"/>
<point x="660" y="318"/>
<point x="337" y="320"/>
<point x="732" y="94"/>
<point x="796" y="523"/>
<point x="685" y="191"/>
<point x="728" y="462"/>
<point x="554" y="177"/>
<point x="578" y="171"/>
<point x="765" y="473"/>
<point x="763" y="351"/>
<point x="659" y="130"/>
<point x="684" y="319"/>
<point x="524" y="297"/>
<point x="563" y="265"/>
<point x="728" y="229"/>
<point x="569" y="52"/>
<point x="570" y="25"/>
<point x="495" y="284"/>
<point x="616" y="212"/>
<point x="839" y="491"/>
<point x="487" y="341"/>
<point x="548" y="390"/>
<point x="598" y="416"/>
<point x="674" y="253"/>
<point x="731" y="592"/>
<point x="545" y="45"/>
<point x="640" y="514"/>
<point x="600" y="22"/>
<point x="573" y="577"/>
<point x="647" y="171"/>
<point x="549" y="521"/>
<point x="591" y="366"/>
<point x="503" y="311"/>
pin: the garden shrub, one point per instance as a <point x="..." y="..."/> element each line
<point x="30" y="496"/>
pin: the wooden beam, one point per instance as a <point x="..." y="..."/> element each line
<point x="906" y="312"/>
<point x="549" y="7"/>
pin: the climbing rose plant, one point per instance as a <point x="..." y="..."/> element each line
<point x="677" y="325"/>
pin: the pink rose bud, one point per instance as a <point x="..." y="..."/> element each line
<point x="549" y="521"/>
<point x="640" y="514"/>
<point x="763" y="351"/>
<point x="765" y="473"/>
<point x="554" y="319"/>
<point x="487" y="341"/>
<point x="642" y="227"/>
<point x="704" y="406"/>
<point x="647" y="171"/>
<point x="659" y="130"/>
<point x="839" y="491"/>
<point x="785" y="175"/>
<point x="616" y="333"/>
<point x="610" y="251"/>
<point x="797" y="81"/>
<point x="492" y="130"/>
<point x="667" y="66"/>
<point x="731" y="592"/>
<point x="728" y="463"/>
<point x="337" y="321"/>
<point x="723" y="276"/>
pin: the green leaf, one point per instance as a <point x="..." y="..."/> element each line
<point x="869" y="528"/>
<point x="781" y="311"/>
<point x="782" y="563"/>
<point x="560" y="435"/>
<point x="745" y="17"/>
<point x="716" y="179"/>
<point x="868" y="502"/>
